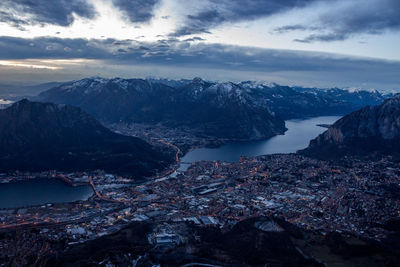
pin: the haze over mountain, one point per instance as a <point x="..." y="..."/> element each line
<point x="18" y="92"/>
<point x="44" y="136"/>
<point x="373" y="130"/>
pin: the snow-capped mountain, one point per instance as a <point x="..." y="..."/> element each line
<point x="299" y="102"/>
<point x="113" y="100"/>
<point x="245" y="110"/>
<point x="223" y="110"/>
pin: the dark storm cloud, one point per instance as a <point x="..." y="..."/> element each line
<point x="137" y="10"/>
<point x="360" y="17"/>
<point x="221" y="11"/>
<point x="58" y="12"/>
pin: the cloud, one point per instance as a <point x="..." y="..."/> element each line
<point x="20" y="48"/>
<point x="216" y="12"/>
<point x="200" y="23"/>
<point x="209" y="59"/>
<point x="12" y="20"/>
<point x="19" y="13"/>
<point x="345" y="19"/>
<point x="295" y="27"/>
<point x="137" y="10"/>
<point x="336" y="36"/>
<point x="193" y="39"/>
<point x="290" y="28"/>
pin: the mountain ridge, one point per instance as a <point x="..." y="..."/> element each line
<point x="207" y="108"/>
<point x="237" y="111"/>
<point x="373" y="130"/>
<point x="43" y="136"/>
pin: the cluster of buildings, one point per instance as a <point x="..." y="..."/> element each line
<point x="351" y="196"/>
<point x="356" y="196"/>
<point x="183" y="137"/>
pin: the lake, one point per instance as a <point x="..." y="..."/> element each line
<point x="298" y="136"/>
<point x="41" y="191"/>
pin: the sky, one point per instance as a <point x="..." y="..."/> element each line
<point x="318" y="43"/>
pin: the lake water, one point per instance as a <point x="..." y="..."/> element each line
<point x="41" y="191"/>
<point x="298" y="136"/>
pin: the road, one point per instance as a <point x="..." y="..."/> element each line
<point x="28" y="225"/>
<point x="99" y="195"/>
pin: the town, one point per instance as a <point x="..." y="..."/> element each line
<point x="350" y="196"/>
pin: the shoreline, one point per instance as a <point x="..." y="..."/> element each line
<point x="63" y="179"/>
<point x="179" y="155"/>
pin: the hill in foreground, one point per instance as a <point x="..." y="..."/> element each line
<point x="44" y="136"/>
<point x="373" y="130"/>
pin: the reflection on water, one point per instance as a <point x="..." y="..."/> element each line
<point x="298" y="136"/>
<point x="41" y="191"/>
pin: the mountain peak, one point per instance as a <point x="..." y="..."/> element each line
<point x="371" y="130"/>
<point x="206" y="107"/>
<point x="258" y="84"/>
<point x="21" y="103"/>
<point x="198" y="80"/>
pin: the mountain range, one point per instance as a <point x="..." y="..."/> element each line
<point x="373" y="130"/>
<point x="300" y="102"/>
<point x="44" y="136"/>
<point x="246" y="110"/>
<point x="221" y="110"/>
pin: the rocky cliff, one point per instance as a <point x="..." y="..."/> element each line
<point x="371" y="130"/>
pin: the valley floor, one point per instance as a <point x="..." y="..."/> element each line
<point x="351" y="197"/>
